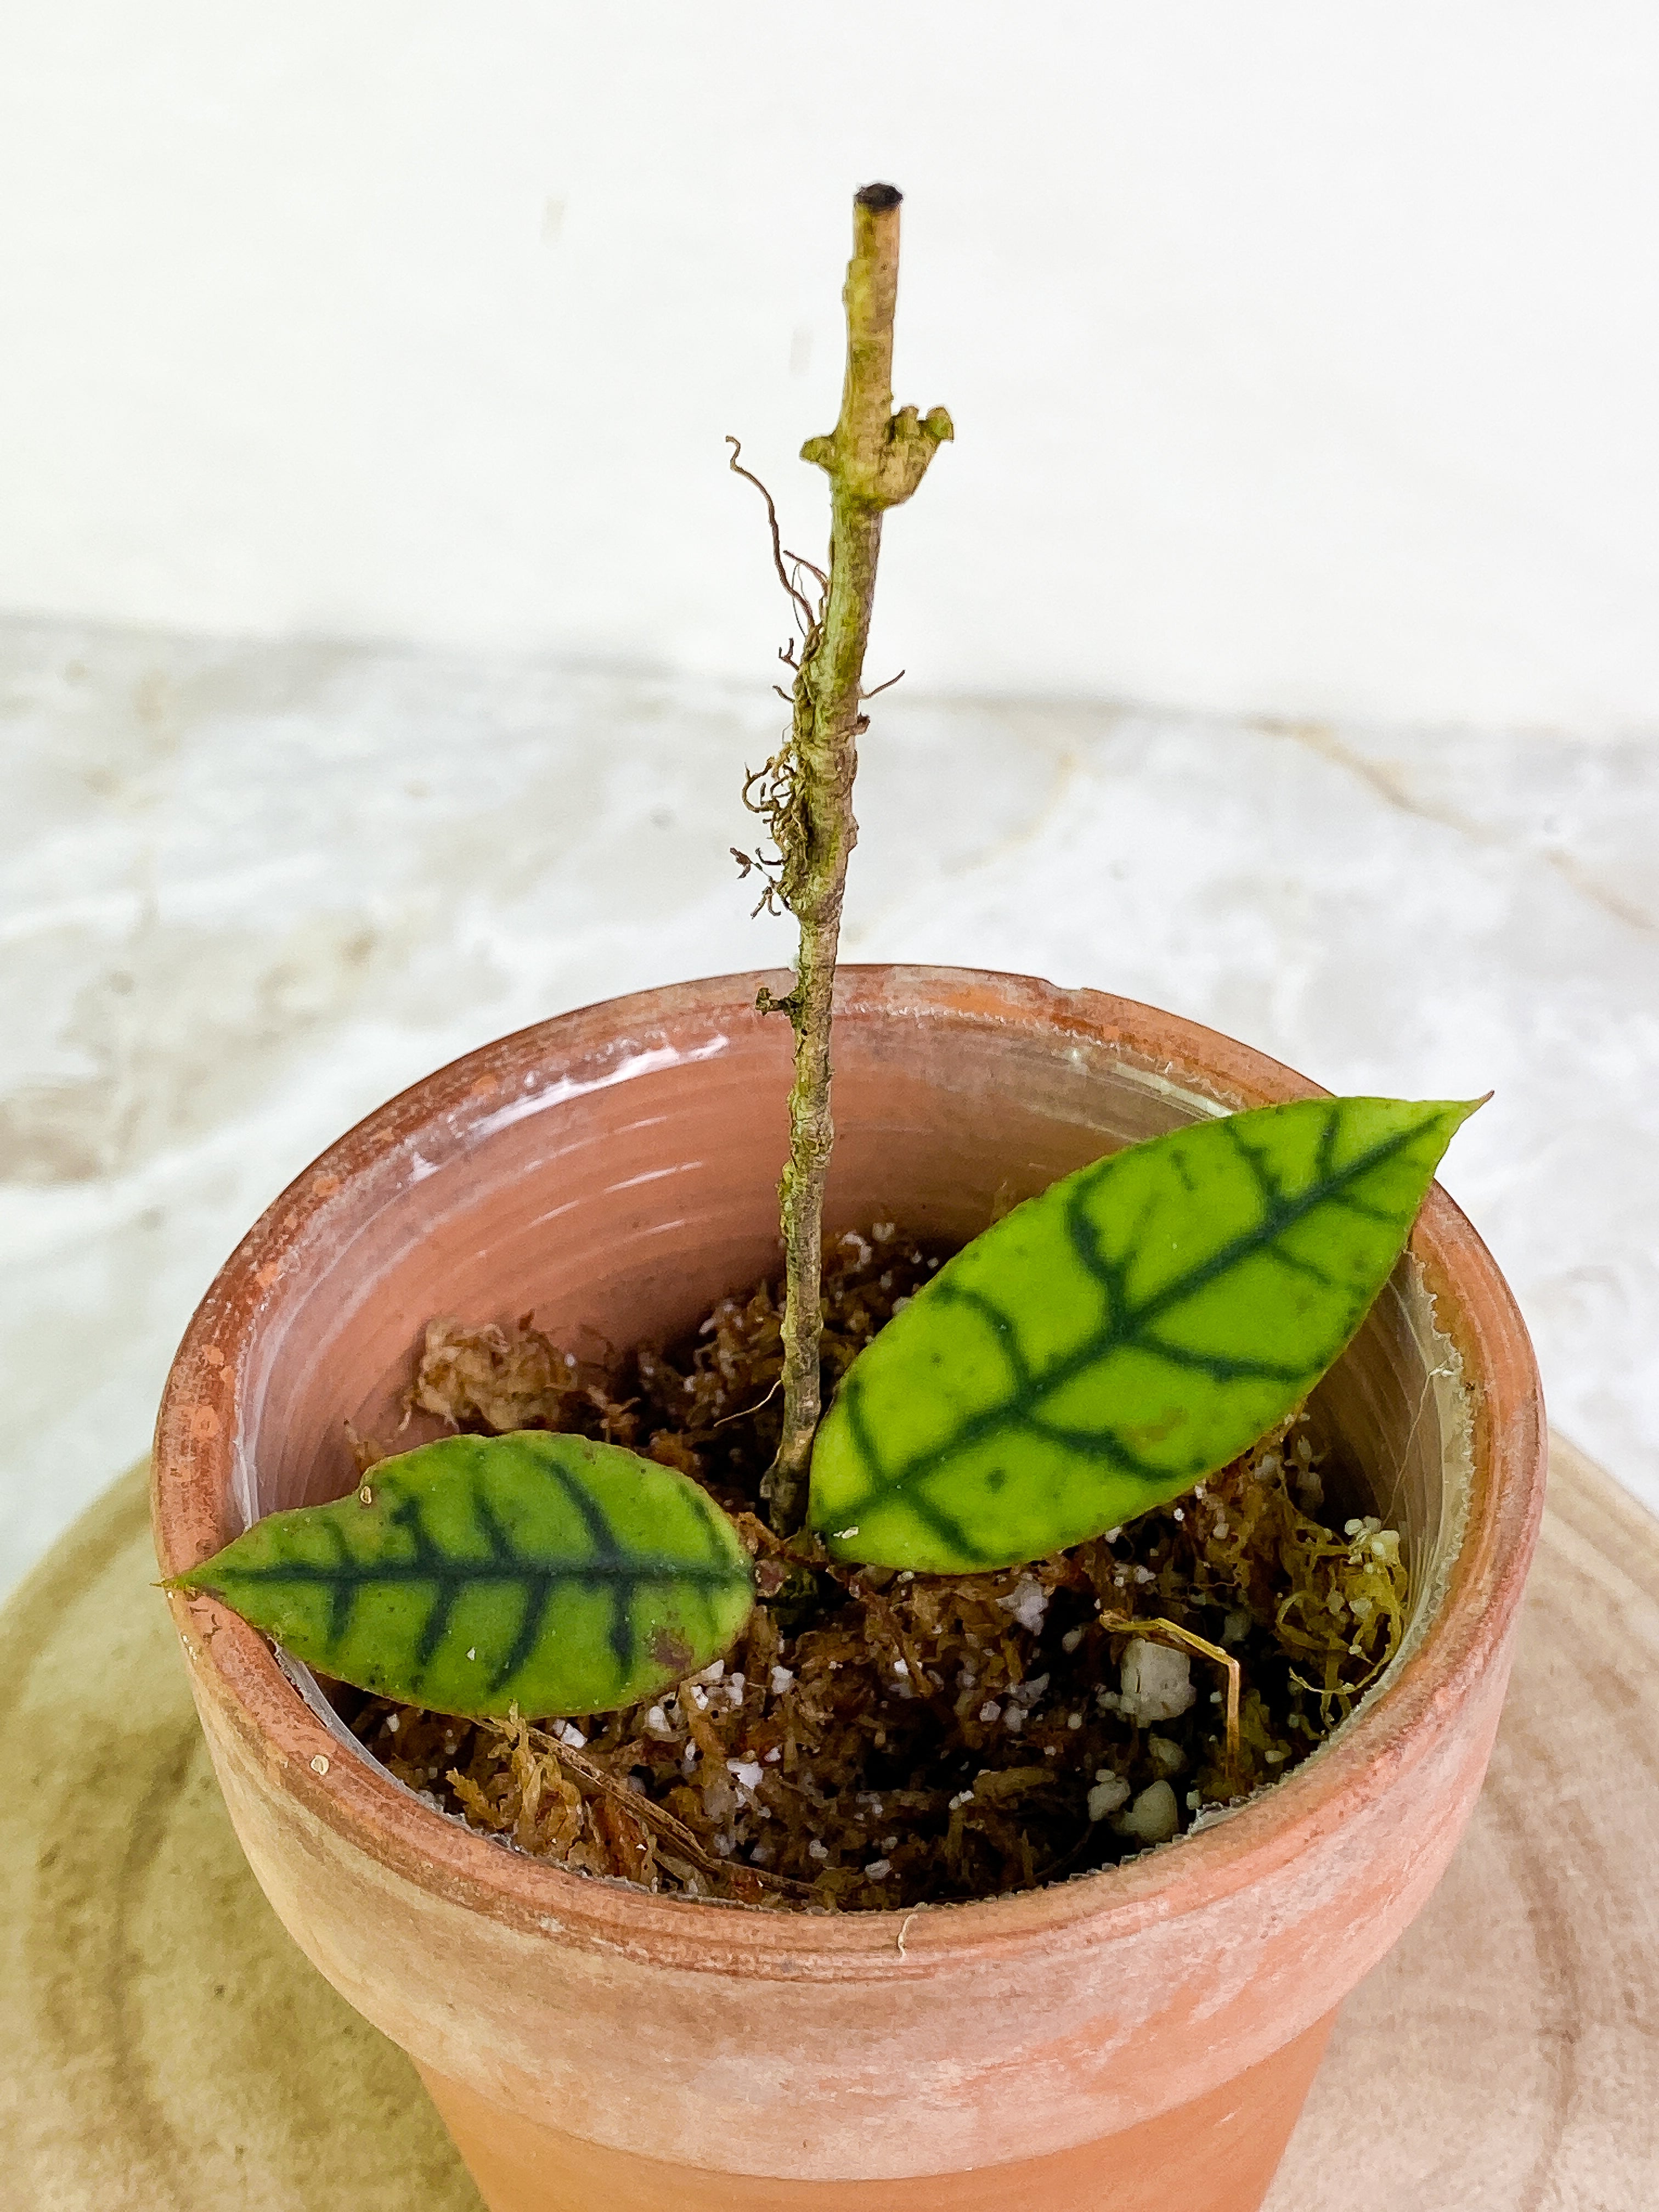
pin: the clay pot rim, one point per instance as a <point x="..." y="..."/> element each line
<point x="1394" y="1733"/>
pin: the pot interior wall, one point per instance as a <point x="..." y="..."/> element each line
<point x="618" y="1193"/>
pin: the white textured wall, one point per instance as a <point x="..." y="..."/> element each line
<point x="1303" y="357"/>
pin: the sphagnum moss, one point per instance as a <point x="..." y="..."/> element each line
<point x="885" y="1741"/>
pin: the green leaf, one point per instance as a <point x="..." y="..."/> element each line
<point x="1110" y="1343"/>
<point x="481" y="1572"/>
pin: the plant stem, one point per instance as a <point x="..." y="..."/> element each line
<point x="874" y="458"/>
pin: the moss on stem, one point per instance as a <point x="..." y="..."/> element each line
<point x="874" y="458"/>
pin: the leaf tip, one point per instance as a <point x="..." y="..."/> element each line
<point x="194" y="1582"/>
<point x="1459" y="1110"/>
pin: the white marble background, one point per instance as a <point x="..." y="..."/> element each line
<point x="249" y="890"/>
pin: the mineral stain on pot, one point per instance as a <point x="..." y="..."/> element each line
<point x="880" y="1740"/>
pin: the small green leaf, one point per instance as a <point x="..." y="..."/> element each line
<point x="1109" y="1344"/>
<point x="481" y="1573"/>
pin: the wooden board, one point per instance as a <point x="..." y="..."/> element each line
<point x="163" y="2047"/>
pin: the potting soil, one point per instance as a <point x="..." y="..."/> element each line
<point x="880" y="1740"/>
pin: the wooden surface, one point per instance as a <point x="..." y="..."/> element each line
<point x="163" y="2047"/>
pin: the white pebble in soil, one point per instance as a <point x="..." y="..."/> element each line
<point x="1167" y="1756"/>
<point x="1029" y="1602"/>
<point x="1152" y="1817"/>
<point x="1156" y="1683"/>
<point x="1110" y="1792"/>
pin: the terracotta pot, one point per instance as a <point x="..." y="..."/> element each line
<point x="1142" y="2036"/>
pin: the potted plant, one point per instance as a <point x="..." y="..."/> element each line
<point x="1149" y="2026"/>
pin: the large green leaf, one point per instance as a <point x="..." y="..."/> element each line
<point x="481" y="1572"/>
<point x="1114" y="1340"/>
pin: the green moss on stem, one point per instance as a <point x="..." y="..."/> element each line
<point x="875" y="457"/>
